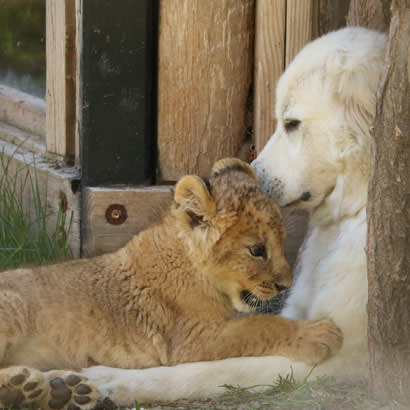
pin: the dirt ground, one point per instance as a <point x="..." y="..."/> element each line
<point x="285" y="394"/>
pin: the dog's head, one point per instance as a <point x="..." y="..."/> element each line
<point x="325" y="104"/>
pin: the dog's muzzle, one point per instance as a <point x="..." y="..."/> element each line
<point x="273" y="187"/>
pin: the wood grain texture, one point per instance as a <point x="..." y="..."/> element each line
<point x="373" y="14"/>
<point x="60" y="45"/>
<point x="269" y="65"/>
<point x="23" y="111"/>
<point x="298" y="26"/>
<point x="205" y="70"/>
<point x="78" y="95"/>
<point x="70" y="78"/>
<point x="332" y="15"/>
<point x="53" y="178"/>
<point x="388" y="216"/>
<point x="143" y="207"/>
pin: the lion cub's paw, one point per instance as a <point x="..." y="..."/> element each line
<point x="21" y="386"/>
<point x="318" y="340"/>
<point x="70" y="391"/>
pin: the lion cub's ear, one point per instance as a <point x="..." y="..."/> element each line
<point x="192" y="196"/>
<point x="233" y="164"/>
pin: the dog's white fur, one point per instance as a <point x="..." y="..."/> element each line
<point x="330" y="88"/>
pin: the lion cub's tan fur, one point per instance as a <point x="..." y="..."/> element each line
<point x="171" y="295"/>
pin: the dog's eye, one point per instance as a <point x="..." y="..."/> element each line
<point x="259" y="251"/>
<point x="291" y="125"/>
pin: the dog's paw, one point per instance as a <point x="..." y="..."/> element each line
<point x="317" y="340"/>
<point x="70" y="391"/>
<point x="21" y="386"/>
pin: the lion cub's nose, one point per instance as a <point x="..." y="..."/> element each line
<point x="280" y="288"/>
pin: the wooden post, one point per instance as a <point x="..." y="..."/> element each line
<point x="388" y="214"/>
<point x="78" y="82"/>
<point x="299" y="26"/>
<point x="114" y="215"/>
<point x="205" y="72"/>
<point x="269" y="65"/>
<point x="332" y="15"/>
<point x="283" y="27"/>
<point x="373" y="14"/>
<point x="61" y="72"/>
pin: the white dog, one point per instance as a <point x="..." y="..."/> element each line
<point x="317" y="159"/>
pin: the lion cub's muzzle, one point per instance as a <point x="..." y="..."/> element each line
<point x="262" y="294"/>
<point x="250" y="299"/>
<point x="280" y="288"/>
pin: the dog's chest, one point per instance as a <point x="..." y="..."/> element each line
<point x="338" y="270"/>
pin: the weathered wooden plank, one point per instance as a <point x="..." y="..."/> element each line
<point x="298" y="26"/>
<point x="269" y="65"/>
<point x="105" y="207"/>
<point x="78" y="82"/>
<point x="61" y="66"/>
<point x="55" y="181"/>
<point x="205" y="70"/>
<point x="70" y="79"/>
<point x="373" y="14"/>
<point x="332" y="15"/>
<point x="23" y="111"/>
<point x="55" y="87"/>
<point x="315" y="19"/>
<point x="17" y="136"/>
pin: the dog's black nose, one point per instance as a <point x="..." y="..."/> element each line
<point x="305" y="196"/>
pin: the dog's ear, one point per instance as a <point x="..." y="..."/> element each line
<point x="193" y="198"/>
<point x="355" y="84"/>
<point x="233" y="164"/>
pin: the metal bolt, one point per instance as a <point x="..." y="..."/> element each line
<point x="116" y="214"/>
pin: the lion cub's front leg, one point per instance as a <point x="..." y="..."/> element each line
<point x="309" y="341"/>
<point x="57" y="390"/>
<point x="316" y="341"/>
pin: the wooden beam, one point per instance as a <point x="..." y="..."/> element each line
<point x="61" y="67"/>
<point x="373" y="14"/>
<point x="113" y="215"/>
<point x="23" y="111"/>
<point x="269" y="65"/>
<point x="55" y="181"/>
<point x="78" y="82"/>
<point x="205" y="72"/>
<point x="299" y="27"/>
<point x="332" y="15"/>
<point x="117" y="91"/>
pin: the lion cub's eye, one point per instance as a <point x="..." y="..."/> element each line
<point x="259" y="251"/>
<point x="291" y="125"/>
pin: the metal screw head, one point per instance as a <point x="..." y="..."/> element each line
<point x="116" y="214"/>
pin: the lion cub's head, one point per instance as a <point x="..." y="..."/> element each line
<point x="234" y="232"/>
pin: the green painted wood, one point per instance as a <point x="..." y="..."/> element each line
<point x="118" y="77"/>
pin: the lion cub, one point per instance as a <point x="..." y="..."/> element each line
<point x="170" y="295"/>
